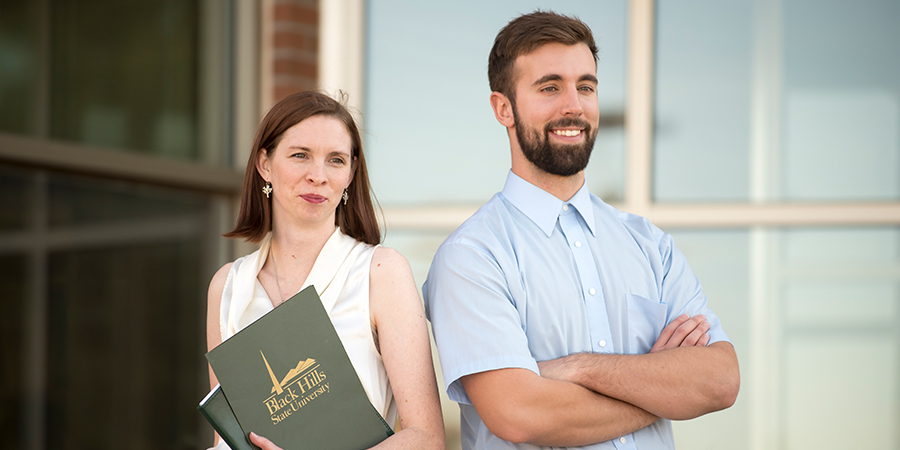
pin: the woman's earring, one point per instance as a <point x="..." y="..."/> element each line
<point x="267" y="189"/>
<point x="345" y="196"/>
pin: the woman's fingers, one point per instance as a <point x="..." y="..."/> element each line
<point x="262" y="442"/>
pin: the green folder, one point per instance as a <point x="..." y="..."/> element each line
<point x="218" y="412"/>
<point x="287" y="377"/>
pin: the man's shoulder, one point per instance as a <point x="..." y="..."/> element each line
<point x="473" y="246"/>
<point x="636" y="225"/>
<point x="482" y="227"/>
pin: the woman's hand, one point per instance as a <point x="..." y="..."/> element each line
<point x="262" y="442"/>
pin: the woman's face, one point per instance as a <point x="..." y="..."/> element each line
<point x="309" y="170"/>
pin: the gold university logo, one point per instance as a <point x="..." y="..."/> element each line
<point x="301" y="385"/>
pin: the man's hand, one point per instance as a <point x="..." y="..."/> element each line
<point x="262" y="442"/>
<point x="683" y="331"/>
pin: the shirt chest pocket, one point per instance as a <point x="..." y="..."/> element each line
<point x="646" y="320"/>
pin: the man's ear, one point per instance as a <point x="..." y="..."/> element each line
<point x="503" y="110"/>
<point x="262" y="164"/>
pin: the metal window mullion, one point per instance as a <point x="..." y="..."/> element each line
<point x="34" y="367"/>
<point x="214" y="87"/>
<point x="245" y="114"/>
<point x="639" y="109"/>
<point x="342" y="30"/>
<point x="765" y="277"/>
<point x="132" y="166"/>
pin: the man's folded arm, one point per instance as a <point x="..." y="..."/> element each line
<point x="677" y="384"/>
<point x="520" y="406"/>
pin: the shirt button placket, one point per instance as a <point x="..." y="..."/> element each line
<point x="625" y="443"/>
<point x="576" y="236"/>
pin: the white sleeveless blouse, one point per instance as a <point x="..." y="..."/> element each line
<point x="341" y="278"/>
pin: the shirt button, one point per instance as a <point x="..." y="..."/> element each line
<point x="578" y="244"/>
<point x="566" y="207"/>
<point x="602" y="343"/>
<point x="622" y="440"/>
<point x="592" y="291"/>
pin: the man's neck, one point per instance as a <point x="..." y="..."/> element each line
<point x="561" y="187"/>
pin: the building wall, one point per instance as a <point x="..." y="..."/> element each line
<point x="294" y="43"/>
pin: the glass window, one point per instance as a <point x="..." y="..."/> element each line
<point x="125" y="76"/>
<point x="431" y="134"/>
<point x="799" y="96"/>
<point x="19" y="50"/>
<point x="15" y="199"/>
<point x="702" y="122"/>
<point x="720" y="260"/>
<point x="79" y="200"/>
<point x="839" y="305"/>
<point x="831" y="345"/>
<point x="120" y="317"/>
<point x="841" y="100"/>
<point x="12" y="351"/>
<point x="124" y="336"/>
<point x="137" y="91"/>
<point x="103" y="281"/>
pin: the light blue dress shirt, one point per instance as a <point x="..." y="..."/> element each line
<point x="531" y="278"/>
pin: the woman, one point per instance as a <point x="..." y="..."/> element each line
<point x="306" y="198"/>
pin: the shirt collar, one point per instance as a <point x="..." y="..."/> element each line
<point x="542" y="207"/>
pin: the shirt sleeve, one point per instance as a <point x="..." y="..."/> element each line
<point x="681" y="290"/>
<point x="474" y="319"/>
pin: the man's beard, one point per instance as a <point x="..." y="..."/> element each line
<point x="562" y="160"/>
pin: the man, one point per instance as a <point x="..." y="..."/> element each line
<point x="559" y="320"/>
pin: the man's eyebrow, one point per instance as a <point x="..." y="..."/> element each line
<point x="546" y="78"/>
<point x="557" y="77"/>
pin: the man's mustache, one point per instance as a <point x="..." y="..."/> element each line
<point x="568" y="122"/>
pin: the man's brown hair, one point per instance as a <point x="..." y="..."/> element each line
<point x="525" y="34"/>
<point x="356" y="218"/>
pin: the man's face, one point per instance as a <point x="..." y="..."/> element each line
<point x="555" y="108"/>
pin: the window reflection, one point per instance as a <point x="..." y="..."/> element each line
<point x="784" y="100"/>
<point x="841" y="100"/>
<point x="828" y="345"/>
<point x="13" y="272"/>
<point x="136" y="91"/>
<point x="103" y="308"/>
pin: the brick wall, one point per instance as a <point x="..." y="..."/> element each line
<point x="295" y="42"/>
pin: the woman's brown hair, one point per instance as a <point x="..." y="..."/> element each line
<point x="356" y="218"/>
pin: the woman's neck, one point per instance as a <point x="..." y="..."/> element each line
<point x="294" y="249"/>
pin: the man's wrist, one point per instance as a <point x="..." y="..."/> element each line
<point x="582" y="367"/>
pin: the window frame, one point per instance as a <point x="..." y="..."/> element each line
<point x="762" y="217"/>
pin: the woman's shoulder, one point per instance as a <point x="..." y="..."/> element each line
<point x="392" y="287"/>
<point x="220" y="278"/>
<point x="386" y="260"/>
<point x="217" y="284"/>
<point x="389" y="274"/>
